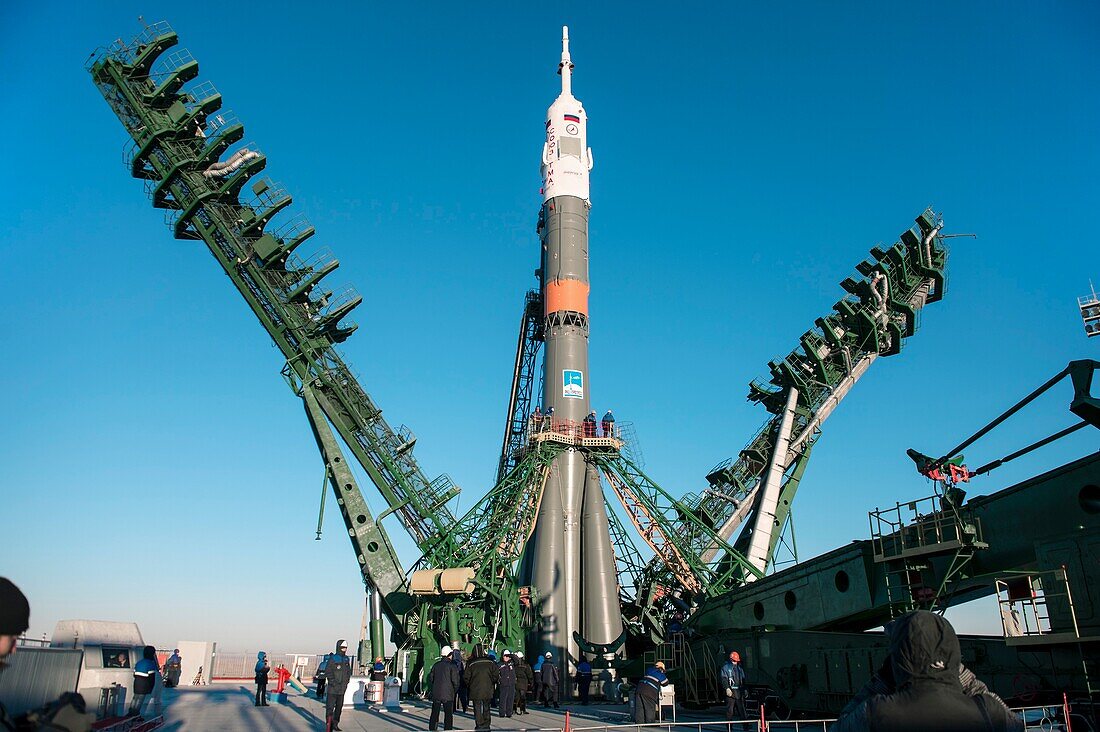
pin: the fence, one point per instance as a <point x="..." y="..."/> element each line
<point x="1049" y="718"/>
<point x="243" y="665"/>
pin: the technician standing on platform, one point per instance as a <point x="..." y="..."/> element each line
<point x="337" y="676"/>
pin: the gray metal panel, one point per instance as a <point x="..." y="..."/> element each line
<point x="566" y="348"/>
<point x="35" y="676"/>
<point x="565" y="239"/>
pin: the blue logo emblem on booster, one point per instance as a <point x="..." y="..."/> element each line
<point x="572" y="384"/>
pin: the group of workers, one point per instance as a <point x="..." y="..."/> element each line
<point x="588" y="426"/>
<point x="482" y="679"/>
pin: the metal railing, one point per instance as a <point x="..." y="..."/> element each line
<point x="1026" y="602"/>
<point x="919" y="526"/>
<point x="1051" y="717"/>
<point x="723" y="726"/>
<point x="576" y="429"/>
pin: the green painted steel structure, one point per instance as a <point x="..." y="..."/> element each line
<point x="191" y="155"/>
<point x="195" y="165"/>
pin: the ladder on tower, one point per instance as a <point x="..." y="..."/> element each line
<point x="523" y="383"/>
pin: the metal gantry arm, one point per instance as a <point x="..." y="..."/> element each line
<point x="190" y="154"/>
<point x="879" y="311"/>
<point x="378" y="560"/>
<point x="1084" y="405"/>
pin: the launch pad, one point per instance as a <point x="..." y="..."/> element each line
<point x="545" y="560"/>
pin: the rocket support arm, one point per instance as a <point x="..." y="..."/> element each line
<point x="177" y="139"/>
<point x="878" y="312"/>
<point x="378" y="560"/>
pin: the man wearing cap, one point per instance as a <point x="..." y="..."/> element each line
<point x="648" y="694"/>
<point x="443" y="680"/>
<point x="509" y="678"/>
<point x="525" y="679"/>
<point x="337" y="677"/>
<point x="732" y="682"/>
<point x="550" y="678"/>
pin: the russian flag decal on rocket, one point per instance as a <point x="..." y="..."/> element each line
<point x="572" y="118"/>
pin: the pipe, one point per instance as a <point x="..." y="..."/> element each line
<point x="377" y="642"/>
<point x="769" y="492"/>
<point x="235" y="161"/>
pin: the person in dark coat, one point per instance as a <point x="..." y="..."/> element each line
<point x="584" y="679"/>
<point x="508" y="684"/>
<point x="608" y="424"/>
<point x="172" y="669"/>
<point x="444" y="682"/>
<point x="590" y="424"/>
<point x="550" y="678"/>
<point x="481" y="676"/>
<point x="536" y="670"/>
<point x="337" y="677"/>
<point x="463" y="696"/>
<point x="923" y="668"/>
<point x="648" y="694"/>
<point x="525" y="679"/>
<point x="263" y="668"/>
<point x="145" y="678"/>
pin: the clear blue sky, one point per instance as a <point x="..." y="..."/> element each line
<point x="155" y="467"/>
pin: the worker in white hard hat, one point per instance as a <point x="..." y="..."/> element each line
<point x="525" y="679"/>
<point x="550" y="678"/>
<point x="444" y="686"/>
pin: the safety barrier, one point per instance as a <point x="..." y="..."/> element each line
<point x="243" y="665"/>
<point x="543" y="424"/>
<point x="752" y="725"/>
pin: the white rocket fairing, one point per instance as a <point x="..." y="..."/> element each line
<point x="566" y="157"/>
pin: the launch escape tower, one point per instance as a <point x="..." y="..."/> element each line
<point x="587" y="587"/>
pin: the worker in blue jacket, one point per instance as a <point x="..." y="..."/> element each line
<point x="732" y="683"/>
<point x="648" y="694"/>
<point x="145" y="679"/>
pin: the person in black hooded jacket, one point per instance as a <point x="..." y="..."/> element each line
<point x="923" y="668"/>
<point x="337" y="677"/>
<point x="481" y="675"/>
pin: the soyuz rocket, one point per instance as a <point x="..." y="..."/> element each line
<point x="571" y="562"/>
